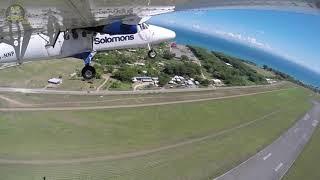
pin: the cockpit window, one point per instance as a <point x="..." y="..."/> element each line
<point x="144" y="26"/>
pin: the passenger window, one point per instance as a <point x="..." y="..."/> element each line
<point x="119" y="28"/>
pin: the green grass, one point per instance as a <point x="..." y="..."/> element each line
<point x="306" y="167"/>
<point x="65" y="135"/>
<point x="36" y="75"/>
<point x="261" y="71"/>
<point x="119" y="86"/>
<point x="152" y="96"/>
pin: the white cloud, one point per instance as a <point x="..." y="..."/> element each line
<point x="261" y="32"/>
<point x="199" y="12"/>
<point x="172" y="22"/>
<point x="251" y="40"/>
<point x="248" y="40"/>
<point x="196" y="26"/>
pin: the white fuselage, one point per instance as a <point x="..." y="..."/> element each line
<point x="37" y="48"/>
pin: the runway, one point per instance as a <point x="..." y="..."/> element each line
<point x="274" y="161"/>
<point x="70" y="92"/>
<point x="80" y="108"/>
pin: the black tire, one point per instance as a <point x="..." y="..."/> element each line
<point x="66" y="36"/>
<point x="75" y="34"/>
<point x="84" y="34"/>
<point x="152" y="54"/>
<point x="88" y="72"/>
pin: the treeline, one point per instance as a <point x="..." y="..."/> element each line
<point x="235" y="74"/>
<point x="182" y="68"/>
<point x="284" y="76"/>
<point x="121" y="66"/>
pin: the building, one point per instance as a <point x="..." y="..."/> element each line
<point x="190" y="82"/>
<point x="134" y="80"/>
<point x="228" y="64"/>
<point x="55" y="81"/>
<point x="270" y="81"/>
<point x="217" y="82"/>
<point x="173" y="45"/>
<point x="139" y="64"/>
<point x="132" y="50"/>
<point x="145" y="79"/>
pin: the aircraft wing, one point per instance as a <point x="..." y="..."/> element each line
<point x="50" y="16"/>
<point x="306" y="6"/>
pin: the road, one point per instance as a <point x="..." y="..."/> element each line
<point x="275" y="160"/>
<point x="79" y="108"/>
<point x="67" y="92"/>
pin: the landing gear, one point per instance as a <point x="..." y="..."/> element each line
<point x="88" y="72"/>
<point x="66" y="36"/>
<point x="74" y="33"/>
<point x="152" y="54"/>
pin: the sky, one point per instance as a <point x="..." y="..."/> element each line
<point x="294" y="36"/>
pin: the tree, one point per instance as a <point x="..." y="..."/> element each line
<point x="205" y="82"/>
<point x="182" y="69"/>
<point x="184" y="58"/>
<point x="163" y="79"/>
<point x="115" y="85"/>
<point x="265" y="67"/>
<point x="168" y="55"/>
<point x="99" y="71"/>
<point x="109" y="69"/>
<point x="125" y="73"/>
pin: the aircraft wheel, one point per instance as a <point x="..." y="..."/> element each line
<point x="74" y="34"/>
<point x="152" y="54"/>
<point x="84" y="34"/>
<point x="88" y="72"/>
<point x="66" y="36"/>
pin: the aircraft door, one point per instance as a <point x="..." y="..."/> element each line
<point x="145" y="33"/>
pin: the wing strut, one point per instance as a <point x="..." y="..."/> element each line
<point x="19" y="43"/>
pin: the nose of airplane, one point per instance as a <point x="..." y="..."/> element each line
<point x="162" y="34"/>
<point x="170" y="34"/>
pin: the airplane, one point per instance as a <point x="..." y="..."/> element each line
<point x="31" y="30"/>
<point x="85" y="43"/>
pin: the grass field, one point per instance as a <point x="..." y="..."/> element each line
<point x="115" y="85"/>
<point x="261" y="71"/>
<point x="306" y="167"/>
<point x="46" y="100"/>
<point x="234" y="129"/>
<point x="36" y="74"/>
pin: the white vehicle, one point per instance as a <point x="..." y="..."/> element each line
<point x="49" y="29"/>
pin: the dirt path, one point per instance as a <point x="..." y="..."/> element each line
<point x="129" y="106"/>
<point x="14" y="102"/>
<point x="139" y="86"/>
<point x="106" y="79"/>
<point x="69" y="92"/>
<point x="137" y="153"/>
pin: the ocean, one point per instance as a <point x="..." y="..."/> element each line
<point x="254" y="55"/>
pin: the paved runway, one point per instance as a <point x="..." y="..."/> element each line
<point x="275" y="160"/>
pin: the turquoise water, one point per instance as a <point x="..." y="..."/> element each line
<point x="252" y="54"/>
